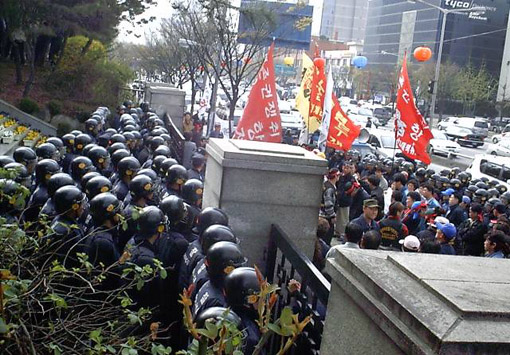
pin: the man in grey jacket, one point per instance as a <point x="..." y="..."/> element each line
<point x="328" y="204"/>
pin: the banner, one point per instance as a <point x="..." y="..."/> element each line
<point x="412" y="133"/>
<point x="303" y="96"/>
<point x="261" y="117"/>
<point x="342" y="131"/>
<point x="317" y="95"/>
<point x="326" y="114"/>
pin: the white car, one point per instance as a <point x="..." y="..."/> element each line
<point x="446" y="122"/>
<point x="361" y="115"/>
<point x="502" y="148"/>
<point x="505" y="133"/>
<point x="384" y="142"/>
<point x="491" y="167"/>
<point x="292" y="121"/>
<point x="440" y="144"/>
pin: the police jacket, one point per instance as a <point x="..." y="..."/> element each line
<point x="209" y="295"/>
<point x="328" y="205"/>
<point x="48" y="210"/>
<point x="35" y="203"/>
<point x="66" y="162"/>
<point x="143" y="253"/>
<point x="199" y="276"/>
<point x="101" y="249"/>
<point x="130" y="213"/>
<point x="193" y="174"/>
<point x="120" y="190"/>
<point x="392" y="230"/>
<point x="190" y="259"/>
<point x="66" y="240"/>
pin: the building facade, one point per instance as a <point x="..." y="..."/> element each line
<point x="344" y="20"/>
<point x="394" y="26"/>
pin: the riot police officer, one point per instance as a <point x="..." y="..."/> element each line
<point x="43" y="172"/>
<point x="27" y="157"/>
<point x="80" y="142"/>
<point x="126" y="170"/>
<point x="79" y="167"/>
<point x="55" y="182"/>
<point x="222" y="258"/>
<point x="68" y="140"/>
<point x="101" y="160"/>
<point x="21" y="174"/>
<point x="101" y="246"/>
<point x="198" y="166"/>
<point x="67" y="237"/>
<point x="175" y="178"/>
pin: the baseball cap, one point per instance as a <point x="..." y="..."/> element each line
<point x="448" y="192"/>
<point x="466" y="200"/>
<point x="410" y="242"/>
<point x="448" y="230"/>
<point x="371" y="202"/>
<point x="440" y="219"/>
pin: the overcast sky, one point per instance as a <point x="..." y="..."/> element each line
<point x="162" y="10"/>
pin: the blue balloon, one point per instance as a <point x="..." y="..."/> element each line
<point x="359" y="61"/>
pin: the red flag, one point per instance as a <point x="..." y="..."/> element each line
<point x="261" y="118"/>
<point x="342" y="131"/>
<point x="412" y="133"/>
<point x="317" y="95"/>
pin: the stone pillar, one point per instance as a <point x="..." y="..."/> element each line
<point x="408" y="303"/>
<point x="259" y="184"/>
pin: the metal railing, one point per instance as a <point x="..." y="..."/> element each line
<point x="285" y="262"/>
<point x="177" y="143"/>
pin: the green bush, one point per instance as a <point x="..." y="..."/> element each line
<point x="82" y="116"/>
<point x="28" y="106"/>
<point x="54" y="108"/>
<point x="63" y="128"/>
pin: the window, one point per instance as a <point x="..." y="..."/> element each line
<point x="491" y="169"/>
<point x="481" y="124"/>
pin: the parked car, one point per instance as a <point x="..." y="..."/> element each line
<point x="502" y="148"/>
<point x="445" y="122"/>
<point x="464" y="136"/>
<point x="491" y="167"/>
<point x="505" y="132"/>
<point x="478" y="126"/>
<point x="497" y="124"/>
<point x="383" y="115"/>
<point x="441" y="144"/>
<point x="292" y="121"/>
<point x="384" y="142"/>
<point x="361" y="115"/>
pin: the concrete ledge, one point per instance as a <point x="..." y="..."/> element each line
<point x="27" y="119"/>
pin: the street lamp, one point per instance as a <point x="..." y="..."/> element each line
<point x="445" y="13"/>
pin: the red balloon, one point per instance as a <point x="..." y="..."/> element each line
<point x="422" y="54"/>
<point x="319" y="62"/>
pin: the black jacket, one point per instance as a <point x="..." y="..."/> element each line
<point x="473" y="238"/>
<point x="456" y="215"/>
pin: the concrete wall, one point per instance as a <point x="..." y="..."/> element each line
<point x="166" y="99"/>
<point x="27" y="119"/>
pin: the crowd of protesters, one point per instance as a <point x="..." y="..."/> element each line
<point x="396" y="204"/>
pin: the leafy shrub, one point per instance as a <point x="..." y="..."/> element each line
<point x="82" y="116"/>
<point x="63" y="128"/>
<point x="54" y="108"/>
<point x="28" y="106"/>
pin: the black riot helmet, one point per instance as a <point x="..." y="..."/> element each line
<point x="24" y="155"/>
<point x="87" y="177"/>
<point x="46" y="151"/>
<point x="501" y="188"/>
<point x="463" y="177"/>
<point x="58" y="143"/>
<point x="103" y="207"/>
<point x="117" y="138"/>
<point x="173" y="207"/>
<point x="57" y="181"/>
<point x="156" y="162"/>
<point x="118" y="155"/>
<point x="88" y="148"/>
<point x="455" y="183"/>
<point x="91" y="126"/>
<point x="192" y="192"/>
<point x="141" y="186"/>
<point x="128" y="166"/>
<point x="210" y="216"/>
<point x="166" y="165"/>
<point x="156" y="142"/>
<point x="163" y="150"/>
<point x="21" y="173"/>
<point x="100" y="157"/>
<point x="68" y="198"/>
<point x="217" y="315"/>
<point x="81" y="141"/>
<point x="4" y="160"/>
<point x="492" y="193"/>
<point x="482" y="185"/>
<point x="148" y="172"/>
<point x="97" y="185"/>
<point x="116" y="146"/>
<point x="151" y="221"/>
<point x="505" y="197"/>
<point x="222" y="258"/>
<point x="241" y="288"/>
<point x="80" y="166"/>
<point x="68" y="140"/>
<point x="481" y="194"/>
<point x="45" y="169"/>
<point x="214" y="234"/>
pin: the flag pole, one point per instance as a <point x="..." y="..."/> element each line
<point x="396" y="97"/>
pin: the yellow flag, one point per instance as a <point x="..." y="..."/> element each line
<point x="303" y="96"/>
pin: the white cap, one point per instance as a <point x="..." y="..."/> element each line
<point x="410" y="242"/>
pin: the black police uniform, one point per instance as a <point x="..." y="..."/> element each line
<point x="143" y="253"/>
<point x="66" y="162"/>
<point x="126" y="235"/>
<point x="67" y="239"/>
<point x="209" y="295"/>
<point x="120" y="190"/>
<point x="101" y="248"/>
<point x="35" y="203"/>
<point x="190" y="259"/>
<point x="194" y="174"/>
<point x="48" y="210"/>
<point x="199" y="276"/>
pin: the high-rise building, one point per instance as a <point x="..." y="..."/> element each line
<point x="472" y="37"/>
<point x="344" y="20"/>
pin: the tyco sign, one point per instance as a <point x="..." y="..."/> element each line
<point x="457" y="4"/>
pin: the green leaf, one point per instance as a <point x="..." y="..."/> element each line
<point x="95" y="336"/>
<point x="3" y="326"/>
<point x="213" y="328"/>
<point x="237" y="352"/>
<point x="133" y="318"/>
<point x="275" y="328"/>
<point x="56" y="349"/>
<point x="158" y="349"/>
<point x="163" y="273"/>
<point x="139" y="284"/>
<point x="57" y="300"/>
<point x="110" y="349"/>
<point x="286" y="316"/>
